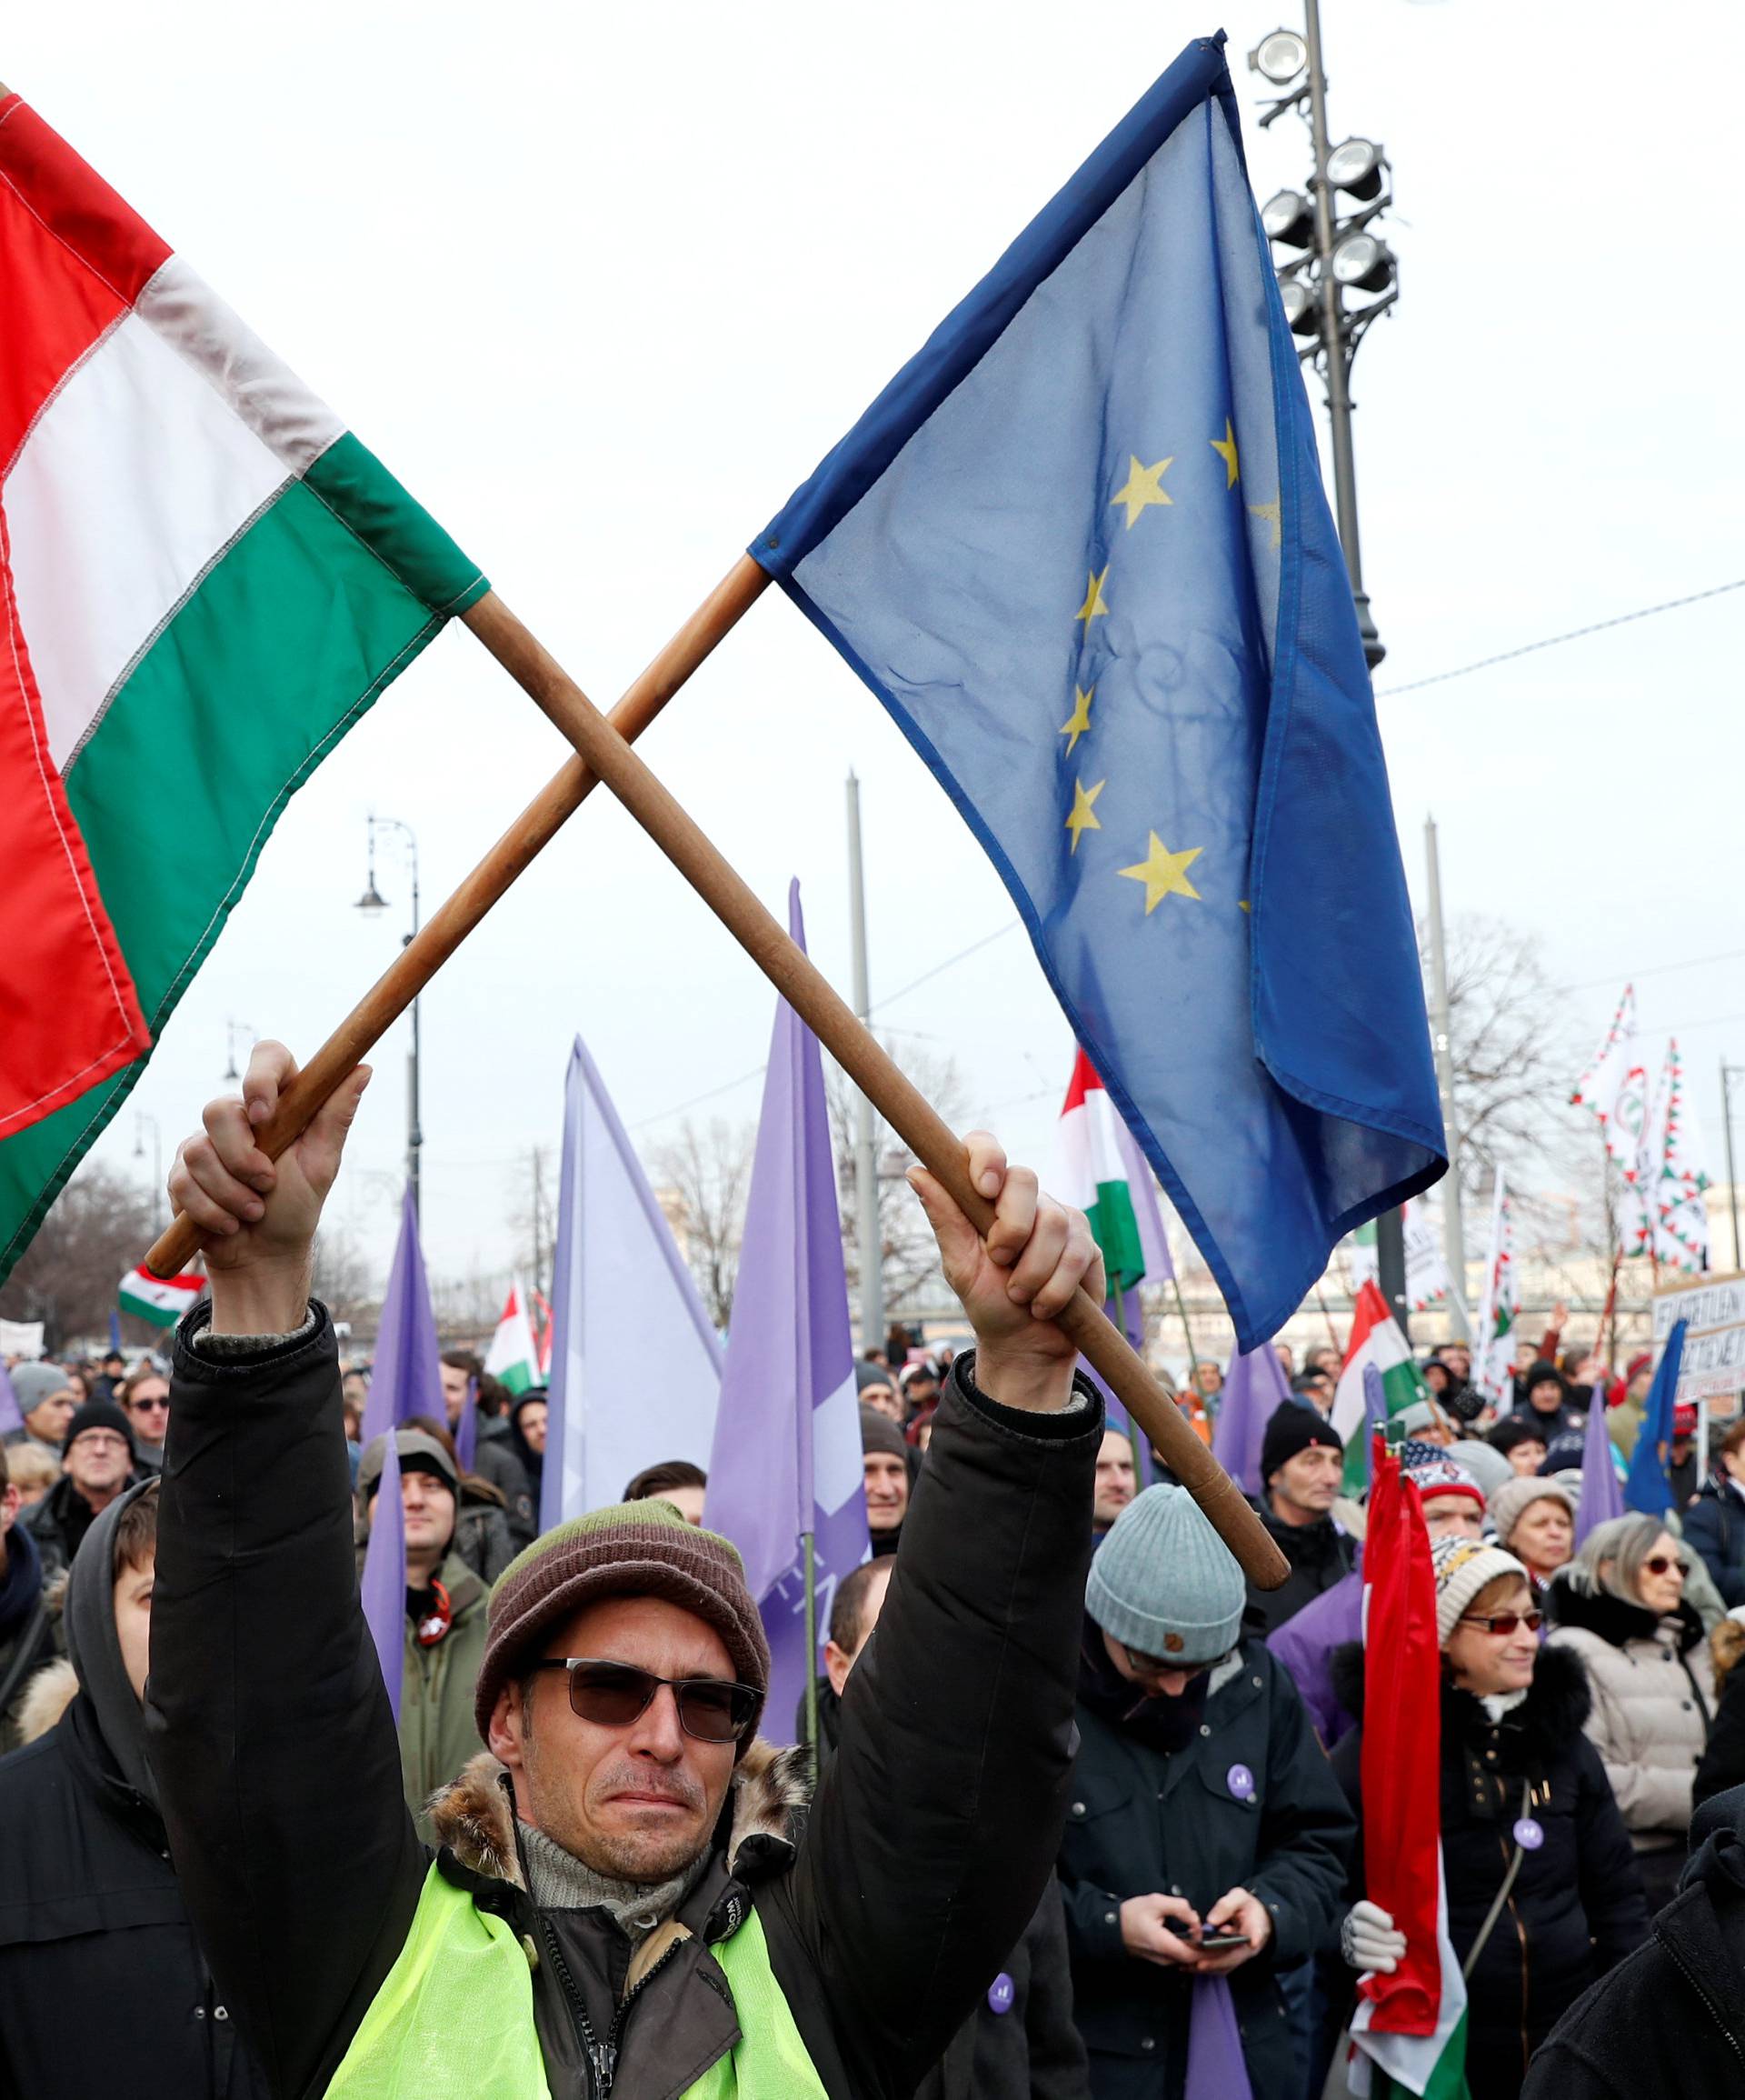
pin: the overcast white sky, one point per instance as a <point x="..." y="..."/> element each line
<point x="602" y="284"/>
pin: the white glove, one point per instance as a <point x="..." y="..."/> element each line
<point x="1369" y="1942"/>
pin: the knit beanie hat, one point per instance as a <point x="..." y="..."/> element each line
<point x="1510" y="1502"/>
<point x="639" y="1549"/>
<point x="879" y="1433"/>
<point x="32" y="1383"/>
<point x="418" y="1452"/>
<point x="1483" y="1461"/>
<point x="1463" y="1566"/>
<point x="1438" y="1474"/>
<point x="99" y="1415"/>
<point x="1294" y="1428"/>
<point x="1164" y="1582"/>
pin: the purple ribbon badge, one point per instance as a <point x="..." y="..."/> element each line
<point x="1001" y="1992"/>
<point x="1529" y="1835"/>
<point x="1240" y="1782"/>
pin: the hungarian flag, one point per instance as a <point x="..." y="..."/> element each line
<point x="512" y="1358"/>
<point x="1375" y="1340"/>
<point x="204" y="581"/>
<point x="1410" y="2028"/>
<point x="1093" y="1175"/>
<point x="161" y="1300"/>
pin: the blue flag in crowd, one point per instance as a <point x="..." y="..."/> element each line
<point x="1648" y="1486"/>
<point x="382" y="1588"/>
<point x="406" y="1377"/>
<point x="1255" y="1388"/>
<point x="787" y="1451"/>
<point x="114" y="1334"/>
<point x="1603" y="1493"/>
<point x="1079" y="548"/>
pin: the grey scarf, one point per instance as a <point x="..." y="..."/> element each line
<point x="558" y="1880"/>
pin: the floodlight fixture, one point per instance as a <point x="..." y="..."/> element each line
<point x="1364" y="263"/>
<point x="1355" y="166"/>
<point x="1280" y="57"/>
<point x="1289" y="219"/>
<point x="1298" y="300"/>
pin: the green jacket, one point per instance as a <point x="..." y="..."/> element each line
<point x="437" y="1731"/>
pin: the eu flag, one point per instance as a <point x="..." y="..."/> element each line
<point x="1079" y="548"/>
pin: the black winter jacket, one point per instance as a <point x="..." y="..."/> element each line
<point x="1319" y="1553"/>
<point x="58" y="1524"/>
<point x="1141" y="1821"/>
<point x="26" y="1628"/>
<point x="1714" y="1526"/>
<point x="1667" y="2024"/>
<point x="1575" y="1908"/>
<point x="103" y="1989"/>
<point x="927" y="1848"/>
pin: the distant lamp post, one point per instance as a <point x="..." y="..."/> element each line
<point x="236" y="1032"/>
<point x="1728" y="1073"/>
<point x="141" y="1117"/>
<point x="373" y="903"/>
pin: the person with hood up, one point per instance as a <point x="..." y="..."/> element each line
<point x="47" y="1400"/>
<point x="27" y="1622"/>
<point x="97" y="1461"/>
<point x="1714" y="1525"/>
<point x="1302" y="1457"/>
<point x="1535" y="1521"/>
<point x="103" y="1987"/>
<point x="1548" y="1401"/>
<point x="1541" y="1884"/>
<point x="446" y="1613"/>
<point x="1668" y="2022"/>
<point x="628" y="1899"/>
<point x="529" y="1414"/>
<point x="885" y="1466"/>
<point x="1620" y="1606"/>
<point x="1200" y="1806"/>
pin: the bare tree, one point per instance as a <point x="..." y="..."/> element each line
<point x="907" y="1250"/>
<point x="344" y="1277"/>
<point x="97" y="1229"/>
<point x="533" y="1216"/>
<point x="701" y="1180"/>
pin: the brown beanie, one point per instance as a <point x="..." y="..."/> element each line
<point x="639" y="1549"/>
<point x="879" y="1433"/>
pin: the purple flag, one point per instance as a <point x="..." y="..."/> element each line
<point x="1254" y="1390"/>
<point x="1375" y="1410"/>
<point x="1305" y="1642"/>
<point x="1217" y="2069"/>
<point x="12" y="1416"/>
<point x="383" y="1585"/>
<point x="466" y="1430"/>
<point x="407" y="1378"/>
<point x="1603" y="1493"/>
<point x="787" y="1448"/>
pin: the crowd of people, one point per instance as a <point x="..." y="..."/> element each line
<point x="1080" y="1784"/>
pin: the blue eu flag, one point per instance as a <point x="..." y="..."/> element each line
<point x="1079" y="548"/>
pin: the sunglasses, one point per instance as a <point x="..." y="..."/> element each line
<point x="1156" y="1666"/>
<point x="1664" y="1564"/>
<point x="1504" y="1624"/>
<point x="613" y="1695"/>
<point x="150" y="1406"/>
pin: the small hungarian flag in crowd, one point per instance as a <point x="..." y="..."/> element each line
<point x="1375" y="1340"/>
<point x="512" y="1358"/>
<point x="159" y="1299"/>
<point x="206" y="580"/>
<point x="1093" y="1175"/>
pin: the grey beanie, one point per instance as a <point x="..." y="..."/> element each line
<point x="32" y="1383"/>
<point x="1164" y="1582"/>
<point x="418" y="1453"/>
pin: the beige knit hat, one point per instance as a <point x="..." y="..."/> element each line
<point x="1510" y="1502"/>
<point x="628" y="1549"/>
<point x="1463" y="1567"/>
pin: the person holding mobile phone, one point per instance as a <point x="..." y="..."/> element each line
<point x="1205" y="1833"/>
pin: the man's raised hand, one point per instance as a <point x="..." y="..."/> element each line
<point x="259" y="1218"/>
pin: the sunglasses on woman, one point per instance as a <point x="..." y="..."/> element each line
<point x="613" y="1695"/>
<point x="1504" y="1624"/>
<point x="1664" y="1564"/>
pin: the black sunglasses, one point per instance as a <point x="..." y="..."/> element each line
<point x="613" y="1695"/>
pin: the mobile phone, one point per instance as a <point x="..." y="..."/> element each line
<point x="1221" y="1941"/>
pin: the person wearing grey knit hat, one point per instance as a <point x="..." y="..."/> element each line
<point x="1205" y="1835"/>
<point x="1535" y="1520"/>
<point x="47" y="1400"/>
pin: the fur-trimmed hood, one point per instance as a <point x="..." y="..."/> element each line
<point x="1596" y="1611"/>
<point x="760" y="1824"/>
<point x="1545" y="1724"/>
<point x="46" y="1697"/>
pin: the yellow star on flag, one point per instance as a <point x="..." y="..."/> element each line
<point x="1083" y="818"/>
<point x="1144" y="487"/>
<point x="1079" y="721"/>
<point x="1273" y="514"/>
<point x="1163" y="872"/>
<point x="1226" y="446"/>
<point x="1093" y="605"/>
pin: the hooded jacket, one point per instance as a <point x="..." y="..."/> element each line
<point x="1667" y="2024"/>
<point x="102" y="1988"/>
<point x="1653" y="1697"/>
<point x="1714" y="1526"/>
<point x="884" y="1918"/>
<point x="1575" y="1908"/>
<point x="26" y="1627"/>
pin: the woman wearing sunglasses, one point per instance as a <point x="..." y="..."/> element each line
<point x="1543" y="1891"/>
<point x="1620" y="1606"/>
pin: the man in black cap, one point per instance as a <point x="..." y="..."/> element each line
<point x="1549" y="1401"/>
<point x="1302" y="1457"/>
<point x="885" y="1466"/>
<point x="99" y="1461"/>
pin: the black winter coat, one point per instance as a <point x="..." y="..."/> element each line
<point x="1667" y="2024"/>
<point x="59" y="1523"/>
<point x="103" y="1989"/>
<point x="1142" y="1821"/>
<point x="1714" y="1526"/>
<point x="1575" y="1908"/>
<point x="1319" y="1553"/>
<point x="926" y="1851"/>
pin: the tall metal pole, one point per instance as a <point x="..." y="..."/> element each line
<point x="414" y="1126"/>
<point x="1335" y="347"/>
<point x="1728" y="1073"/>
<point x="1441" y="1037"/>
<point x="866" y="1153"/>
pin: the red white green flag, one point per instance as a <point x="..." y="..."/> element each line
<point x="1093" y="1175"/>
<point x="1375" y="1339"/>
<point x="1493" y="1353"/>
<point x="513" y="1356"/>
<point x="204" y="581"/>
<point x="161" y="1300"/>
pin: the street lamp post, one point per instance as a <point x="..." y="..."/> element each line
<point x="141" y="1117"/>
<point x="1728" y="1073"/>
<point x="373" y="903"/>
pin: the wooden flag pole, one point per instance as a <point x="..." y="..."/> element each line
<point x="441" y="934"/>
<point x="854" y="1047"/>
